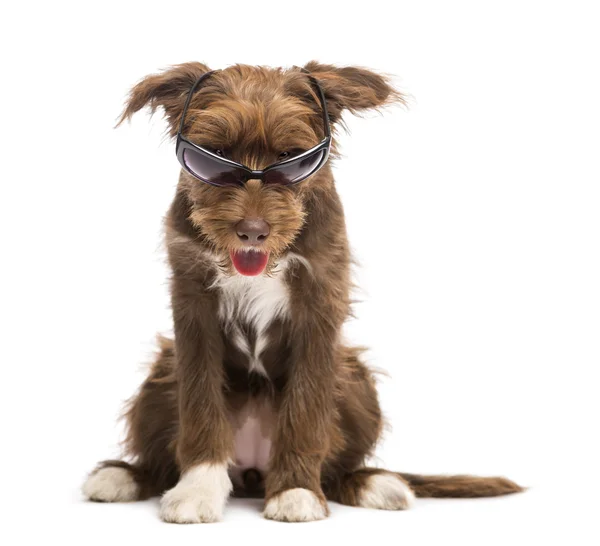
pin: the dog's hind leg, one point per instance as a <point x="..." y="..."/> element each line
<point x="151" y="435"/>
<point x="372" y="488"/>
<point x="345" y="478"/>
<point x="347" y="481"/>
<point x="114" y="481"/>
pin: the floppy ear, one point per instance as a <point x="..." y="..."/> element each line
<point x="353" y="88"/>
<point x="168" y="90"/>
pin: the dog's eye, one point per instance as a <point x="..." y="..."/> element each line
<point x="289" y="153"/>
<point x="219" y="153"/>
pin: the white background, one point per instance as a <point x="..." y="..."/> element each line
<point x="474" y="214"/>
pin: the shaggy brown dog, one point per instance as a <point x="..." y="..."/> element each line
<point x="257" y="394"/>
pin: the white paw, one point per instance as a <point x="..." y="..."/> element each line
<point x="111" y="484"/>
<point x="295" y="505"/>
<point x="386" y="492"/>
<point x="199" y="497"/>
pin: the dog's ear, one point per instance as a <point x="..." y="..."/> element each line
<point x="168" y="90"/>
<point x="353" y="88"/>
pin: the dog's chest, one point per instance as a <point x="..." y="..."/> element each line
<point x="252" y="311"/>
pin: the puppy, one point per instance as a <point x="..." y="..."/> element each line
<point x="257" y="395"/>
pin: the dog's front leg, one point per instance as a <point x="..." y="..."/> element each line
<point x="302" y="439"/>
<point x="204" y="445"/>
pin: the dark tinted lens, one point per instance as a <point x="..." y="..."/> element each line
<point x="295" y="170"/>
<point x="211" y="170"/>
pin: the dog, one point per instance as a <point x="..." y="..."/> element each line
<point x="257" y="394"/>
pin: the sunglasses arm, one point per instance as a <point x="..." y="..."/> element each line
<point x="189" y="98"/>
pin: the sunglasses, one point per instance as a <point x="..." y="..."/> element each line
<point x="220" y="171"/>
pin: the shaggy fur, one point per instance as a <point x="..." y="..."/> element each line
<point x="257" y="363"/>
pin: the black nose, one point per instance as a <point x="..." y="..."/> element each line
<point x="252" y="231"/>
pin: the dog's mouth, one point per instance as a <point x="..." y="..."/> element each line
<point x="249" y="262"/>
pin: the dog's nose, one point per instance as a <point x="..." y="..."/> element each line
<point x="252" y="231"/>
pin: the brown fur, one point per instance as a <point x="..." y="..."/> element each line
<point x="328" y="418"/>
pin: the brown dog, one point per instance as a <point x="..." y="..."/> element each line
<point x="257" y="393"/>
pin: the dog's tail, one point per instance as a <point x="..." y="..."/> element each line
<point x="459" y="486"/>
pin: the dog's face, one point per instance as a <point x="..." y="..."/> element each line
<point x="255" y="116"/>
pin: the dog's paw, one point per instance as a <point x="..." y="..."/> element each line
<point x="386" y="492"/>
<point x="295" y="505"/>
<point x="111" y="484"/>
<point x="199" y="497"/>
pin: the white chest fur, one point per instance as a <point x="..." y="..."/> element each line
<point x="254" y="301"/>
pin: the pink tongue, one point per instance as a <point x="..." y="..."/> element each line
<point x="249" y="263"/>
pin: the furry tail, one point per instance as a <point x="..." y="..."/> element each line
<point x="459" y="486"/>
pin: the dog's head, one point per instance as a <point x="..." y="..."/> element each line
<point x="255" y="116"/>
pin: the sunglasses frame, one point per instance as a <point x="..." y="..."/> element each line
<point x="323" y="147"/>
